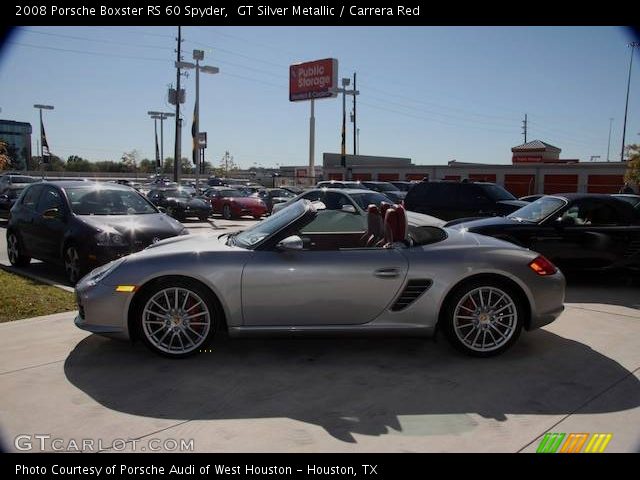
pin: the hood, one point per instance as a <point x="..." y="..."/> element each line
<point x="192" y="202"/>
<point x="480" y="223"/>
<point x="247" y="201"/>
<point x="210" y="242"/>
<point x="158" y="224"/>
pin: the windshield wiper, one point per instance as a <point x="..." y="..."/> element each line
<point x="230" y="237"/>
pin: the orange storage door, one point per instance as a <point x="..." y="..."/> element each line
<point x="362" y="176"/>
<point x="388" y="177"/>
<point x="335" y="176"/>
<point x="520" y="185"/>
<point x="605" y="183"/>
<point x="560" y="184"/>
<point x="416" y="176"/>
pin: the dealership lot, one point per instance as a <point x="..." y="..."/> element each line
<point x="579" y="374"/>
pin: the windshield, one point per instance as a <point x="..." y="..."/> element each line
<point x="383" y="187"/>
<point x="231" y="193"/>
<point x="264" y="229"/>
<point x="177" y="193"/>
<point x="539" y="210"/>
<point x="22" y="179"/>
<point x="105" y="201"/>
<point x="497" y="193"/>
<point x="14" y="193"/>
<point x="365" y="199"/>
<point x="282" y="193"/>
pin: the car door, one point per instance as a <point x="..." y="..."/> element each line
<point x="23" y="221"/>
<point x="50" y="228"/>
<point x="312" y="288"/>
<point x="585" y="235"/>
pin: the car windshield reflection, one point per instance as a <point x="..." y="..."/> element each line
<point x="537" y="211"/>
<point x="105" y="201"/>
<point x="254" y="235"/>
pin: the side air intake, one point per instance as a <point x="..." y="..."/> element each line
<point x="410" y="294"/>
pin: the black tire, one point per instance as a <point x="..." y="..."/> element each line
<point x="226" y="212"/>
<point x="203" y="218"/>
<point x="505" y="323"/>
<point x="257" y="217"/>
<point x="74" y="266"/>
<point x="176" y="323"/>
<point x="15" y="249"/>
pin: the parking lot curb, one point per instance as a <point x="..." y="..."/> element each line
<point x="37" y="278"/>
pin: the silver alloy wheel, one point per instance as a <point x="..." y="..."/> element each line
<point x="485" y="319"/>
<point x="226" y="212"/>
<point x="72" y="264"/>
<point x="12" y="248"/>
<point x="176" y="320"/>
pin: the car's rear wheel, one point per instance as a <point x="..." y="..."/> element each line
<point x="14" y="251"/>
<point x="226" y="212"/>
<point x="73" y="265"/>
<point x="203" y="218"/>
<point x="484" y="318"/>
<point x="177" y="318"/>
<point x="257" y="217"/>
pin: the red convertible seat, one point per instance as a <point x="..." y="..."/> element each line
<point x="395" y="225"/>
<point x="375" y="227"/>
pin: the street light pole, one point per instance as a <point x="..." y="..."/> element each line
<point x="197" y="56"/>
<point x="41" y="107"/>
<point x="633" y="46"/>
<point x="162" y="116"/>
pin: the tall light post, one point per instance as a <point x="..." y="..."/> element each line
<point x="41" y="107"/>
<point x="633" y="46"/>
<point x="197" y="56"/>
<point x="162" y="116"/>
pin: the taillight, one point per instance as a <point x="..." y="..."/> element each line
<point x="542" y="266"/>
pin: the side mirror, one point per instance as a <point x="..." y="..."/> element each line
<point x="4" y="198"/>
<point x="565" y="221"/>
<point x="349" y="209"/>
<point x="51" y="214"/>
<point x="294" y="242"/>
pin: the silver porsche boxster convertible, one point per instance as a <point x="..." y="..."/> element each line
<point x="309" y="270"/>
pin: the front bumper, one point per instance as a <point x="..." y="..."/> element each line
<point x="102" y="310"/>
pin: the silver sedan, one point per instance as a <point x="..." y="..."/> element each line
<point x="305" y="270"/>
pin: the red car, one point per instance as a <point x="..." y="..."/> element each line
<point x="232" y="203"/>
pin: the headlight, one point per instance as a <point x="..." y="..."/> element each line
<point x="110" y="239"/>
<point x="102" y="272"/>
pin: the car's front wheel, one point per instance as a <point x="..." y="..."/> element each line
<point x="73" y="265"/>
<point x="226" y="212"/>
<point x="14" y="251"/>
<point x="484" y="318"/>
<point x="177" y="319"/>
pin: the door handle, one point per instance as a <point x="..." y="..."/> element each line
<point x="386" y="273"/>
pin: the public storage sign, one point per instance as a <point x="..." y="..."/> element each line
<point x="311" y="80"/>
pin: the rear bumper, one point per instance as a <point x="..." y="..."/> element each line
<point x="547" y="299"/>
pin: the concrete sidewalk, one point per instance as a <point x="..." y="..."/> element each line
<point x="580" y="374"/>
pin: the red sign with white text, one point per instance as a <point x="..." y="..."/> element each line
<point x="311" y="80"/>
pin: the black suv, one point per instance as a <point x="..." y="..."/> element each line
<point x="451" y="200"/>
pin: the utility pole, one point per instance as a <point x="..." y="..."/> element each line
<point x="354" y="118"/>
<point x="343" y="146"/>
<point x="633" y="46"/>
<point x="177" y="153"/>
<point x="524" y="127"/>
<point x="609" y="142"/>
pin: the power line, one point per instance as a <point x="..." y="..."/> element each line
<point x="86" y="52"/>
<point x="97" y="40"/>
